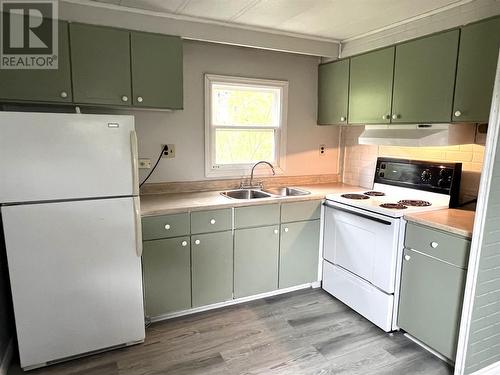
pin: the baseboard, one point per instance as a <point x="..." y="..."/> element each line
<point x="493" y="369"/>
<point x="7" y="358"/>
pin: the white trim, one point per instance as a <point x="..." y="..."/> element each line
<point x="493" y="369"/>
<point x="244" y="170"/>
<point x="7" y="358"/>
<point x="236" y="301"/>
<point x="479" y="223"/>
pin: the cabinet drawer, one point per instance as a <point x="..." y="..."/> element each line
<point x="211" y="221"/>
<point x="300" y="211"/>
<point x="165" y="226"/>
<point x="443" y="246"/>
<point x="254" y="216"/>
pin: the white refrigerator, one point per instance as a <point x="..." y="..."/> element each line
<point x="71" y="221"/>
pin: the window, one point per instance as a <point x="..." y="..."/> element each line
<point x="245" y="121"/>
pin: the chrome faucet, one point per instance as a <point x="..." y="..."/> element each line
<point x="253" y="168"/>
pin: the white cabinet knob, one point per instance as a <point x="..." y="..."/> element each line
<point x="139" y="99"/>
<point x="342" y="118"/>
<point x="197" y="242"/>
<point x="124" y="98"/>
<point x="184" y="243"/>
<point x="407" y="257"/>
<point x="458" y="113"/>
<point x="275" y="231"/>
<point x="395" y="117"/>
<point x="386" y="117"/>
<point x="64" y="94"/>
<point x="167" y="226"/>
<point x="286" y="229"/>
<point x="434" y="244"/>
<point x="212" y="221"/>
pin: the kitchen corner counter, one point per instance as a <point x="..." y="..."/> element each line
<point x="169" y="203"/>
<point x="460" y="222"/>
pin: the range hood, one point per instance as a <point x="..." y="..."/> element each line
<point x="418" y="135"/>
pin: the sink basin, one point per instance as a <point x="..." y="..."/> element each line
<point x="287" y="191"/>
<point x="245" y="194"/>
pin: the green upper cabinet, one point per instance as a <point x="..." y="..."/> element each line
<point x="100" y="59"/>
<point x="370" y="92"/>
<point x="156" y="70"/>
<point x="424" y="77"/>
<point x="477" y="61"/>
<point x="41" y="85"/>
<point x="333" y="92"/>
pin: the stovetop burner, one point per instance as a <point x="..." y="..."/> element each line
<point x="394" y="206"/>
<point x="415" y="203"/>
<point x="355" y="196"/>
<point x="375" y="193"/>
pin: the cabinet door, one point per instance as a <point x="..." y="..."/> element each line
<point x="424" y="78"/>
<point x="477" y="61"/>
<point x="100" y="59"/>
<point x="167" y="275"/>
<point x="430" y="313"/>
<point x="41" y="85"/>
<point x="255" y="260"/>
<point x="370" y="92"/>
<point x="299" y="253"/>
<point x="333" y="90"/>
<point x="212" y="271"/>
<point x="156" y="70"/>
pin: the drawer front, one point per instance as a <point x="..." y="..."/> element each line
<point x="443" y="246"/>
<point x="300" y="211"/>
<point x="254" y="216"/>
<point x="154" y="227"/>
<point x="211" y="221"/>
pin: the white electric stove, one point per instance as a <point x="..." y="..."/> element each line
<point x="364" y="233"/>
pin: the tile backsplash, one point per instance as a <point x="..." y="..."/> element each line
<point x="360" y="160"/>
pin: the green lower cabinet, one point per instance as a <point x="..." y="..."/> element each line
<point x="333" y="92"/>
<point x="41" y="85"/>
<point x="167" y="275"/>
<point x="477" y="61"/>
<point x="256" y="260"/>
<point x="212" y="268"/>
<point x="430" y="303"/>
<point x="299" y="253"/>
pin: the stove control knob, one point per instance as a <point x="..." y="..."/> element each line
<point x="426" y="175"/>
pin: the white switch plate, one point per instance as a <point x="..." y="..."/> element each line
<point x="144" y="163"/>
<point x="170" y="152"/>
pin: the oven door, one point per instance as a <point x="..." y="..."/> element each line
<point x="363" y="243"/>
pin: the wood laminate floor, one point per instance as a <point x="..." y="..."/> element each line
<point x="304" y="332"/>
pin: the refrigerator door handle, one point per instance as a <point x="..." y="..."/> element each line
<point x="138" y="228"/>
<point x="134" y="156"/>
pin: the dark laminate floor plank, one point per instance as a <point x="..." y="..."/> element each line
<point x="301" y="333"/>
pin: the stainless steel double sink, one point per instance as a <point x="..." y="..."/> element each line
<point x="264" y="193"/>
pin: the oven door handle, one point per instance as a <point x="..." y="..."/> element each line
<point x="365" y="216"/>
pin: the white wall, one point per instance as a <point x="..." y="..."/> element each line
<point x="185" y="128"/>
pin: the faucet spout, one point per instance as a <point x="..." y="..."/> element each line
<point x="256" y="164"/>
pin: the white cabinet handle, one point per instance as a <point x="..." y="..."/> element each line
<point x="139" y="99"/>
<point x="286" y="229"/>
<point x="184" y="243"/>
<point x="458" y="113"/>
<point x="395" y="117"/>
<point x="386" y="117"/>
<point x="407" y="257"/>
<point x="212" y="221"/>
<point x="434" y="244"/>
<point x="275" y="231"/>
<point x="167" y="226"/>
<point x="124" y="98"/>
<point x="342" y="118"/>
<point x="64" y="94"/>
<point x="197" y="242"/>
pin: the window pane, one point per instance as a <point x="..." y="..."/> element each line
<point x="245" y="106"/>
<point x="234" y="146"/>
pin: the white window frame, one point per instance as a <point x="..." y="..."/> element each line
<point x="240" y="170"/>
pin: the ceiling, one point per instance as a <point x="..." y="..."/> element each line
<point x="329" y="19"/>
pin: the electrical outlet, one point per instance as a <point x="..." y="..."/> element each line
<point x="322" y="150"/>
<point x="169" y="151"/>
<point x="144" y="163"/>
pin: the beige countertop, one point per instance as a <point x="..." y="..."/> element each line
<point x="169" y="203"/>
<point x="455" y="221"/>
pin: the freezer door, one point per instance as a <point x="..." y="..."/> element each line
<point x="75" y="276"/>
<point x="47" y="156"/>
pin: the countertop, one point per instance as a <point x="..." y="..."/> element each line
<point x="460" y="222"/>
<point x="169" y="203"/>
